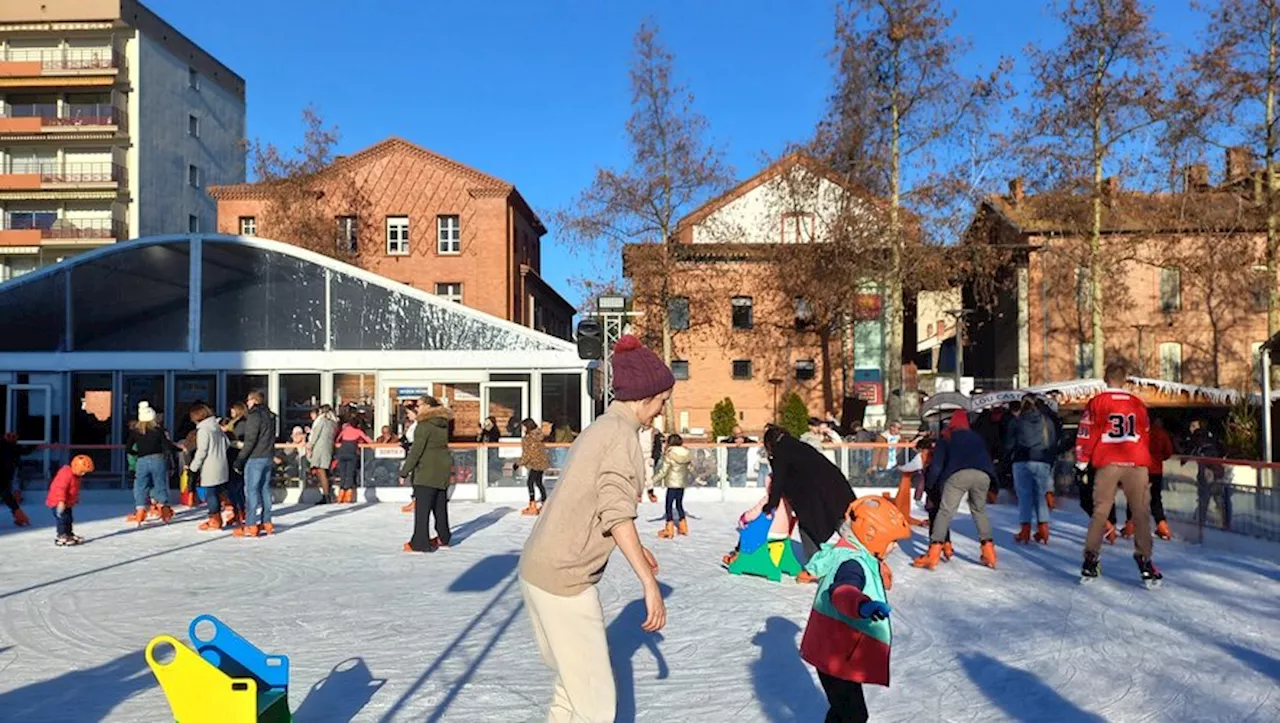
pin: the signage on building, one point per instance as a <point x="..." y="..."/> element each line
<point x="412" y="392"/>
<point x="866" y="307"/>
<point x="869" y="392"/>
<point x="396" y="452"/>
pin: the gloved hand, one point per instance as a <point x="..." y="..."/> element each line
<point x="1082" y="466"/>
<point x="874" y="610"/>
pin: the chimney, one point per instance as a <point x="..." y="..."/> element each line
<point x="1016" y="192"/>
<point x="1109" y="187"/>
<point x="1197" y="177"/>
<point x="1239" y="163"/>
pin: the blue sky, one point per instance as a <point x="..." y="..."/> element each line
<point x="536" y="92"/>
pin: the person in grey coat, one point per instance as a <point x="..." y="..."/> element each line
<point x="209" y="461"/>
<point x="324" y="429"/>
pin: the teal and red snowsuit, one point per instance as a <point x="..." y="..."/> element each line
<point x="837" y="641"/>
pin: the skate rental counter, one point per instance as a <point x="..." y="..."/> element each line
<point x="176" y="320"/>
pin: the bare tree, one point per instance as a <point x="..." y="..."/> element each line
<point x="1094" y="94"/>
<point x="899" y="108"/>
<point x="1227" y="97"/>
<point x="672" y="167"/>
<point x="307" y="189"/>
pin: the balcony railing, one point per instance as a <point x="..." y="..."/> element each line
<point x="101" y="228"/>
<point x="72" y="59"/>
<point x="52" y="172"/>
<point x="73" y="114"/>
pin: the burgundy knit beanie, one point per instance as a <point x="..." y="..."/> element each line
<point x="638" y="373"/>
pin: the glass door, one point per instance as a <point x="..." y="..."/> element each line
<point x="189" y="390"/>
<point x="29" y="414"/>
<point x="508" y="403"/>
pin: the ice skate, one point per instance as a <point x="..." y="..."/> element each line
<point x="1091" y="570"/>
<point x="1162" y="530"/>
<point x="929" y="560"/>
<point x="1151" y="577"/>
<point x="246" y="531"/>
<point x="165" y="513"/>
<point x="530" y="511"/>
<point x="20" y="518"/>
<point x="683" y="527"/>
<point x="213" y="523"/>
<point x="409" y="508"/>
<point x="1050" y="500"/>
<point x="805" y="578"/>
<point x="667" y="532"/>
<point x="67" y="541"/>
<point x="947" y="552"/>
<point x="1127" y="531"/>
<point x="988" y="556"/>
<point x="137" y="517"/>
<point x="728" y="559"/>
<point x="1110" y="534"/>
<point x="268" y="528"/>
<point x="1042" y="533"/>
<point x="992" y="495"/>
<point x="1024" y="534"/>
<point x="653" y="497"/>
<point x="408" y="547"/>
<point x="436" y="545"/>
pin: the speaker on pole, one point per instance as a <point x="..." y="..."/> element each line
<point x="590" y="340"/>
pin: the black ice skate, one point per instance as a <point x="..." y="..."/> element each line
<point x="1151" y="576"/>
<point x="1091" y="570"/>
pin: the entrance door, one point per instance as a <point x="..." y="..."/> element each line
<point x="29" y="414"/>
<point x="508" y="402"/>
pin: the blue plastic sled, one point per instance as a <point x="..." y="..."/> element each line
<point x="238" y="658"/>
<point x="754" y="535"/>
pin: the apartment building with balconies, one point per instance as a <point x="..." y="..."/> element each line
<point x="112" y="123"/>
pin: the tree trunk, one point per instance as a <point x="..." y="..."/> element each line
<point x="893" y="292"/>
<point x="828" y="395"/>
<point x="667" y="347"/>
<point x="1273" y="228"/>
<point x="1095" y="231"/>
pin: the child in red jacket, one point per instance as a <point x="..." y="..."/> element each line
<point x="64" y="493"/>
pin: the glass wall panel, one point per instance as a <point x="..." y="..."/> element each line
<point x="252" y="298"/>
<point x="463" y="399"/>
<point x="132" y="300"/>
<point x="142" y="388"/>
<point x="189" y="389"/>
<point x="367" y="316"/>
<point x="33" y="315"/>
<point x="239" y="386"/>
<point x="353" y="398"/>
<point x="92" y="402"/>
<point x="299" y="394"/>
<point x="562" y="401"/>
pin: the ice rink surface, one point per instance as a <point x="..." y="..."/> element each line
<point x="375" y="634"/>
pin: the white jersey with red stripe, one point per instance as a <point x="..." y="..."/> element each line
<point x="1114" y="429"/>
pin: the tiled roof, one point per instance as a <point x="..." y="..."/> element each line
<point x="1131" y="212"/>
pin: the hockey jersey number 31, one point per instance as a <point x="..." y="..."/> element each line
<point x="1113" y="430"/>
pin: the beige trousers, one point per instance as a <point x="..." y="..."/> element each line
<point x="571" y="637"/>
<point x="1137" y="491"/>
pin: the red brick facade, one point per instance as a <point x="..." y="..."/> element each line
<point x="497" y="257"/>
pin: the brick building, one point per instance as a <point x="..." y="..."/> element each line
<point x="735" y="332"/>
<point x="1184" y="288"/>
<point x="424" y="220"/>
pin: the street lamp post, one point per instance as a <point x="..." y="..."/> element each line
<point x="959" y="316"/>
<point x="775" y="383"/>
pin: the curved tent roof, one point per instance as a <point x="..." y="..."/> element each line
<point x="212" y="301"/>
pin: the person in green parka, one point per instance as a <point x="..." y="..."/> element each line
<point x="429" y="466"/>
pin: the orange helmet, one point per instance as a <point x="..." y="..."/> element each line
<point x="81" y="465"/>
<point x="877" y="523"/>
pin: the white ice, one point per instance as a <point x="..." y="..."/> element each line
<point x="374" y="634"/>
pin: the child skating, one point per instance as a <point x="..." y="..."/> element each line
<point x="849" y="636"/>
<point x="674" y="476"/>
<point x="64" y="493"/>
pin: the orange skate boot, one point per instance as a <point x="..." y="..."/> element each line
<point x="683" y="527"/>
<point x="530" y="511"/>
<point x="930" y="559"/>
<point x="1162" y="530"/>
<point x="1042" y="533"/>
<point x="268" y="528"/>
<point x="20" y="518"/>
<point x="213" y="523"/>
<point x="409" y="508"/>
<point x="1024" y="535"/>
<point x="668" y="532"/>
<point x="246" y="531"/>
<point x="1110" y="534"/>
<point x="137" y="517"/>
<point x="947" y="552"/>
<point x="1127" y="531"/>
<point x="988" y="556"/>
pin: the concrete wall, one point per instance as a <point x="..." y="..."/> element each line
<point x="163" y="102"/>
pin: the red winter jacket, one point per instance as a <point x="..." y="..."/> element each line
<point x="64" y="489"/>
<point x="1161" y="447"/>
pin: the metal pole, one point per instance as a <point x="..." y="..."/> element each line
<point x="1266" y="403"/>
<point x="959" y="350"/>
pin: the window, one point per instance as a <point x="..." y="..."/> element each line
<point x="678" y="313"/>
<point x="1084" y="294"/>
<point x="1170" y="290"/>
<point x="193" y="126"/>
<point x="742" y="316"/>
<point x="741" y="368"/>
<point x="680" y="369"/>
<point x="451" y="291"/>
<point x="928" y="332"/>
<point x="347" y="236"/>
<point x="193" y="176"/>
<point x="806" y="370"/>
<point x="1171" y="361"/>
<point x="248" y="226"/>
<point x="193" y="78"/>
<point x="448" y="235"/>
<point x="804" y="312"/>
<point x="397" y="235"/>
<point x="108" y="313"/>
<point x="193" y="224"/>
<point x="797" y="228"/>
<point x="1084" y="360"/>
<point x="1258" y="289"/>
